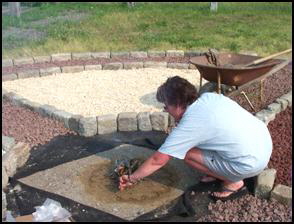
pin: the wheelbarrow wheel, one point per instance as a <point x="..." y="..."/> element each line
<point x="210" y="87"/>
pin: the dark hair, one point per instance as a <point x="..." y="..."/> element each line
<point x="177" y="91"/>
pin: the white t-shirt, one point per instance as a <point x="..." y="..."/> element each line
<point x="215" y="122"/>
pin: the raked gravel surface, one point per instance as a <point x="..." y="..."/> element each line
<point x="99" y="92"/>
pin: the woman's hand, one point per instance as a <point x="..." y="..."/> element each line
<point x="125" y="182"/>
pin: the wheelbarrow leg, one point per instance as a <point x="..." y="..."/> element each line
<point x="218" y="83"/>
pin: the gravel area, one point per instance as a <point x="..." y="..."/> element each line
<point x="27" y="126"/>
<point x="281" y="159"/>
<point x="248" y="209"/>
<point x="98" y="92"/>
<point x="273" y="87"/>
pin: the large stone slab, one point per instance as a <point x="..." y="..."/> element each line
<point x="87" y="181"/>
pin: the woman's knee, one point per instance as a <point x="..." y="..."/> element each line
<point x="195" y="155"/>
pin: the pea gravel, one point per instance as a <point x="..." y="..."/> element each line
<point x="99" y="92"/>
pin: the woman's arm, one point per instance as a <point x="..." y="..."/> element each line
<point x="153" y="163"/>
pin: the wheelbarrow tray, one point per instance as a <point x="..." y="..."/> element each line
<point x="235" y="76"/>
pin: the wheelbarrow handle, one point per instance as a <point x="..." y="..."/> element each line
<point x="268" y="57"/>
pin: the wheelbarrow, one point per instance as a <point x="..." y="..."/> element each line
<point x="235" y="69"/>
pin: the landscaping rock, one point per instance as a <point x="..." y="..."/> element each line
<point x="265" y="115"/>
<point x="47" y="110"/>
<point x="275" y="108"/>
<point x="9" y="162"/>
<point x="22" y="152"/>
<point x="144" y="123"/>
<point x="282" y="194"/>
<point x="93" y="67"/>
<point x="23" y="61"/>
<point x="4" y="177"/>
<point x="73" y="122"/>
<point x="133" y="65"/>
<point x="159" y="121"/>
<point x="4" y="205"/>
<point x="62" y="116"/>
<point x="123" y="54"/>
<point x="151" y="64"/>
<point x="113" y="66"/>
<point x="171" y="121"/>
<point x="7" y="77"/>
<point x="33" y="106"/>
<point x="127" y="121"/>
<point x="283" y="103"/>
<point x="100" y="54"/>
<point x="107" y="124"/>
<point x="288" y="97"/>
<point x="85" y="56"/>
<point x="7" y="62"/>
<point x="49" y="71"/>
<point x="156" y="53"/>
<point x="15" y="158"/>
<point x="264" y="183"/>
<point x="42" y="59"/>
<point x="29" y="73"/>
<point x="138" y="54"/>
<point x="192" y="66"/>
<point x="16" y="99"/>
<point x="61" y="57"/>
<point x="71" y="69"/>
<point x="88" y="126"/>
<point x="192" y="53"/>
<point x="7" y="143"/>
<point x="178" y="65"/>
<point x="175" y="53"/>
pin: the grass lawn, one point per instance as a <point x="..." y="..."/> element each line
<point x="262" y="27"/>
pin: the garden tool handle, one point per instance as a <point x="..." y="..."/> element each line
<point x="268" y="57"/>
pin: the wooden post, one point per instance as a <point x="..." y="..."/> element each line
<point x="14" y="8"/>
<point x="213" y="6"/>
<point x="131" y="4"/>
<point x="218" y="83"/>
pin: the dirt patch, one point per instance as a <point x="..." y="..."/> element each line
<point x="144" y="192"/>
<point x="21" y="33"/>
<point x="69" y="16"/>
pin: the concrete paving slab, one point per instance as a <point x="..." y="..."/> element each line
<point x="87" y="181"/>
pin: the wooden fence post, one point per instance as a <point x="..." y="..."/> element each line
<point x="14" y="8"/>
<point x="213" y="6"/>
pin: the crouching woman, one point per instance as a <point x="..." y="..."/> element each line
<point x="214" y="135"/>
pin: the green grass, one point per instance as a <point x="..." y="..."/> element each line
<point x="263" y="27"/>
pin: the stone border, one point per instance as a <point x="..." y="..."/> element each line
<point x="79" y="68"/>
<point x="95" y="55"/>
<point x="102" y="124"/>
